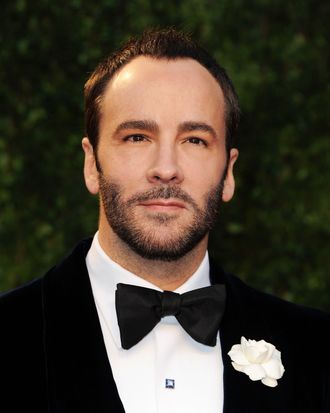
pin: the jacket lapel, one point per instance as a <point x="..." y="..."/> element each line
<point x="243" y="318"/>
<point x="79" y="374"/>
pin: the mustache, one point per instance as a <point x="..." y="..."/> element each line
<point x="163" y="192"/>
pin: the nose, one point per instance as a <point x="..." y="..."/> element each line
<point x="165" y="168"/>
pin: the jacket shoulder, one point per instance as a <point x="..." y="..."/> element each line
<point x="21" y="302"/>
<point x="280" y="312"/>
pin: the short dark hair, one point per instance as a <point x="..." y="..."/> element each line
<point x="159" y="44"/>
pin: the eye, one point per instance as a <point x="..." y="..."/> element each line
<point x="135" y="138"/>
<point x="197" y="141"/>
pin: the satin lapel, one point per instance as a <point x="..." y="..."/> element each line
<point x="242" y="318"/>
<point x="79" y="374"/>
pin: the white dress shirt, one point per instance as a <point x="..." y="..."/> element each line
<point x="167" y="352"/>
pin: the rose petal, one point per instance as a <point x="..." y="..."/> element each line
<point x="243" y="341"/>
<point x="269" y="382"/>
<point x="252" y="353"/>
<point x="256" y="344"/>
<point x="238" y="367"/>
<point x="274" y="369"/>
<point x="257" y="354"/>
<point x="236" y="347"/>
<point x="246" y="343"/>
<point x="267" y="354"/>
<point x="237" y="356"/>
<point x="277" y="355"/>
<point x="255" y="371"/>
<point x="258" y="351"/>
<point x="262" y="357"/>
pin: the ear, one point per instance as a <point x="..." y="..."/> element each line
<point x="91" y="174"/>
<point x="229" y="182"/>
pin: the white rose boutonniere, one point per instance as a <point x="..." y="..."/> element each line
<point x="259" y="360"/>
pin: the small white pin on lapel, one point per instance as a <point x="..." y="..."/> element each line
<point x="169" y="383"/>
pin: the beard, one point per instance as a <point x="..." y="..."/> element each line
<point x="145" y="235"/>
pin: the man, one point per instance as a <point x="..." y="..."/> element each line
<point x="97" y="333"/>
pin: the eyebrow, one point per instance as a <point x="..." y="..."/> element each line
<point x="147" y="125"/>
<point x="151" y="126"/>
<point x="197" y="126"/>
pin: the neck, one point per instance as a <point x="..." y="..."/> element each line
<point x="165" y="275"/>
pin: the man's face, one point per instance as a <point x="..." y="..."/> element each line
<point x="162" y="156"/>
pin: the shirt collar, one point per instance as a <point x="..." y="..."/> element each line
<point x="105" y="274"/>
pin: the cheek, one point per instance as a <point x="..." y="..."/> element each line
<point x="120" y="165"/>
<point x="205" y="174"/>
<point x="127" y="175"/>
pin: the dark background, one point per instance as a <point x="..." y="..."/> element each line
<point x="275" y="234"/>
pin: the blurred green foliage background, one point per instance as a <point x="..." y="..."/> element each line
<point x="275" y="234"/>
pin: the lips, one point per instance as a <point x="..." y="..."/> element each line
<point x="160" y="204"/>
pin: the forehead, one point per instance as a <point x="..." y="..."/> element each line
<point x="153" y="87"/>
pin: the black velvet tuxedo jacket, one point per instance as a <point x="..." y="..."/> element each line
<point x="53" y="357"/>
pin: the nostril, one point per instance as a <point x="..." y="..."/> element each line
<point x="164" y="178"/>
<point x="165" y="174"/>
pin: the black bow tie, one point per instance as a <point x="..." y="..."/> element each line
<point x="140" y="309"/>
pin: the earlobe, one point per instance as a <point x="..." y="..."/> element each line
<point x="91" y="174"/>
<point x="229" y="182"/>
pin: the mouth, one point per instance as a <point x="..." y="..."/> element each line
<point x="162" y="205"/>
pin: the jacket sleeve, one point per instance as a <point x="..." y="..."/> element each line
<point x="22" y="372"/>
